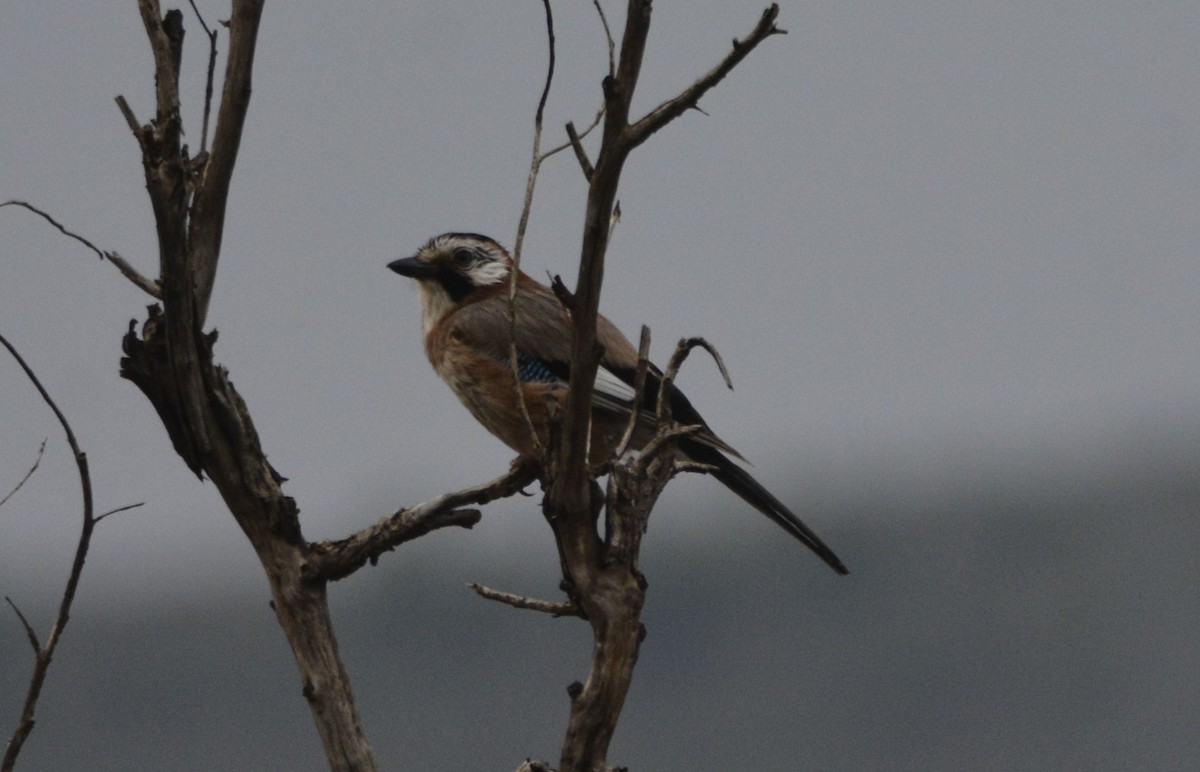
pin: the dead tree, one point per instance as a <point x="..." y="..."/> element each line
<point x="171" y="360"/>
<point x="601" y="573"/>
<point x="169" y="357"/>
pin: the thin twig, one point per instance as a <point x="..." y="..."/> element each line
<point x="612" y="46"/>
<point x="535" y="164"/>
<point x="36" y="461"/>
<point x="134" y="124"/>
<point x="574" y="144"/>
<point x="128" y="271"/>
<point x="573" y="141"/>
<point x="45" y="653"/>
<point x="29" y="631"/>
<point x="667" y="436"/>
<point x="682" y="350"/>
<point x="552" y="608"/>
<point x="119" y="509"/>
<point x="55" y="223"/>
<point x="573" y="137"/>
<point x="639" y="386"/>
<point x="668" y="111"/>
<point x="200" y="18"/>
<point x="208" y="86"/>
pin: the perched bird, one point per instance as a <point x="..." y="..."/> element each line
<point x="464" y="281"/>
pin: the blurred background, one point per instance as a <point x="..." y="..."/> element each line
<point x="947" y="249"/>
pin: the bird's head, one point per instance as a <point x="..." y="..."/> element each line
<point x="451" y="267"/>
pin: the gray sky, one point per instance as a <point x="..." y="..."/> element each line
<point x="936" y="243"/>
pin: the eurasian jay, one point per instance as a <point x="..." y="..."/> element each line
<point x="464" y="282"/>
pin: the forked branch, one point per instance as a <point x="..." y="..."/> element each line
<point x="601" y="574"/>
<point x="44" y="652"/>
<point x="171" y="361"/>
<point x="690" y="97"/>
<point x="148" y="286"/>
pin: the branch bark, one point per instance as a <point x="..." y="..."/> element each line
<point x="333" y="560"/>
<point x="520" y="601"/>
<point x="44" y="652"/>
<point x="171" y="362"/>
<point x="601" y="573"/>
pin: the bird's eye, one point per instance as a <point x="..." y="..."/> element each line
<point x="463" y="258"/>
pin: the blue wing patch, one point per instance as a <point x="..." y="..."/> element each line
<point x="533" y="370"/>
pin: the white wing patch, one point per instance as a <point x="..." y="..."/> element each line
<point x="612" y="392"/>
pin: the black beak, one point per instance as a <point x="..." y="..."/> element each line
<point x="413" y="268"/>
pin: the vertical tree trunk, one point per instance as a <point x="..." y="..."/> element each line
<point x="171" y="362"/>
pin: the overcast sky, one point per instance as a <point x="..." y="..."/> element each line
<point x="934" y="242"/>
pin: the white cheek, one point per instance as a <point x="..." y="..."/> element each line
<point x="491" y="272"/>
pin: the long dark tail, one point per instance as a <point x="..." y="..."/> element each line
<point x="738" y="480"/>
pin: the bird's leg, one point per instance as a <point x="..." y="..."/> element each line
<point x="527" y="464"/>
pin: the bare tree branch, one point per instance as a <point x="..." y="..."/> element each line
<point x="574" y="140"/>
<point x="45" y="652"/>
<point x="639" y="387"/>
<point x="570" y="485"/>
<point x="330" y="561"/>
<point x="677" y="359"/>
<point x="62" y="228"/>
<point x="573" y="137"/>
<point x="172" y="363"/>
<point x="692" y="466"/>
<point x="535" y="164"/>
<point x="36" y="461"/>
<point x="556" y="609"/>
<point x="129" y="272"/>
<point x="131" y="120"/>
<point x="30" y="633"/>
<point x="208" y="82"/>
<point x="166" y="42"/>
<point x="601" y="575"/>
<point x="673" y="108"/>
<point x="149" y="286"/>
<point x="536" y="160"/>
<point x="125" y="508"/>
<point x="208" y="221"/>
<point x="612" y="64"/>
<point x="211" y="428"/>
<point x="667" y="437"/>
